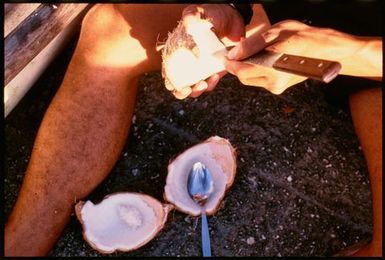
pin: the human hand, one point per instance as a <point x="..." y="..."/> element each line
<point x="291" y="37"/>
<point x="228" y="26"/>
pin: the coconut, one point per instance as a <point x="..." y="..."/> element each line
<point x="192" y="52"/>
<point x="218" y="155"/>
<point x="121" y="221"/>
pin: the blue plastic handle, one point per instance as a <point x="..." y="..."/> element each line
<point x="206" y="248"/>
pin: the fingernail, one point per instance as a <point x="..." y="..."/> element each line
<point x="268" y="36"/>
<point x="232" y="53"/>
<point x="201" y="86"/>
<point x="186" y="91"/>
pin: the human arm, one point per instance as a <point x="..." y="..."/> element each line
<point x="359" y="56"/>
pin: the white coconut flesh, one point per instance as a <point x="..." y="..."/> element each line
<point x="218" y="156"/>
<point x="122" y="221"/>
<point x="183" y="68"/>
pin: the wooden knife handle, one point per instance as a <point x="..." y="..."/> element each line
<point x="323" y="70"/>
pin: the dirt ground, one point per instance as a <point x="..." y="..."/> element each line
<point x="301" y="187"/>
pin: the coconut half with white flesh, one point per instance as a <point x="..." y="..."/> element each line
<point x="219" y="156"/>
<point x="121" y="221"/>
<point x="191" y="53"/>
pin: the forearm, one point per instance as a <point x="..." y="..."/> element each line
<point x="366" y="61"/>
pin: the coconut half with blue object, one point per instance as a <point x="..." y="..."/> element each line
<point x="126" y="221"/>
<point x="219" y="156"/>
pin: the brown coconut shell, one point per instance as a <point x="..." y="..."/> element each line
<point x="219" y="156"/>
<point x="163" y="214"/>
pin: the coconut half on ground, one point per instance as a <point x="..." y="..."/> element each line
<point x="122" y="221"/>
<point x="218" y="155"/>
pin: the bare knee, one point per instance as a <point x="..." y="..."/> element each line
<point x="126" y="35"/>
<point x="106" y="41"/>
<point x="101" y="20"/>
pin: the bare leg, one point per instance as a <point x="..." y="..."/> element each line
<point x="366" y="109"/>
<point x="87" y="123"/>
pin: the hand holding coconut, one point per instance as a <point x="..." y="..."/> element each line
<point x="194" y="45"/>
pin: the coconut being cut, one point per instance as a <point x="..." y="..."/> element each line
<point x="191" y="53"/>
<point x="218" y="155"/>
<point x="122" y="221"/>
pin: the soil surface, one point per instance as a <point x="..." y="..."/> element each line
<point x="301" y="187"/>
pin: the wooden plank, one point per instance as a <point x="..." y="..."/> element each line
<point x="34" y="34"/>
<point x="14" y="14"/>
<point x="19" y="85"/>
<point x="15" y="90"/>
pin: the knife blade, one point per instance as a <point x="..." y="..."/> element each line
<point x="318" y="69"/>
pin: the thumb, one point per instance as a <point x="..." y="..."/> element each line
<point x="247" y="47"/>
